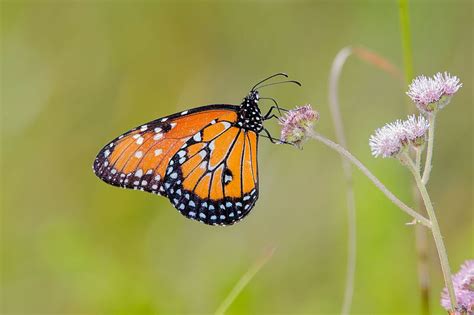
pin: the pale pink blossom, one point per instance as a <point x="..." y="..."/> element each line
<point x="392" y="138"/>
<point x="431" y="94"/>
<point x="463" y="283"/>
<point x="297" y="124"/>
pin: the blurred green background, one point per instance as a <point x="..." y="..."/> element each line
<point x="75" y="74"/>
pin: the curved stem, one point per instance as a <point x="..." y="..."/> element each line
<point x="435" y="230"/>
<point x="335" y="74"/>
<point x="418" y="217"/>
<point x="429" y="152"/>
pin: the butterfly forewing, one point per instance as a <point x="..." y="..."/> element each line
<point x="200" y="159"/>
<point x="138" y="159"/>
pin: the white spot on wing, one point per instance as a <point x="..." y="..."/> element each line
<point x="138" y="154"/>
<point x="158" y="136"/>
<point x="197" y="137"/>
<point x="158" y="152"/>
<point x="140" y="140"/>
<point x="226" y="124"/>
<point x="139" y="173"/>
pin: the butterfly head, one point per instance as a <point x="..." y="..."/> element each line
<point x="252" y="97"/>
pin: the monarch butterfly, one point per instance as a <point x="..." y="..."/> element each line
<point x="203" y="159"/>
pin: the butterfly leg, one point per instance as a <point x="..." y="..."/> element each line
<point x="272" y="139"/>
<point x="276" y="104"/>
<point x="270" y="115"/>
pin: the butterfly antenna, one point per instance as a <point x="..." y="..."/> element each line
<point x="270" y="77"/>
<point x="274" y="83"/>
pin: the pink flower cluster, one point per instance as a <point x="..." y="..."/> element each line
<point x="430" y="94"/>
<point x="389" y="140"/>
<point x="297" y="123"/>
<point x="463" y="283"/>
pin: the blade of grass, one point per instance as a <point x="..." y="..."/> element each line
<point x="406" y="39"/>
<point x="244" y="280"/>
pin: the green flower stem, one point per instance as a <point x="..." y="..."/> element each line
<point x="443" y="256"/>
<point x="418" y="152"/>
<point x="346" y="154"/>
<point x="429" y="152"/>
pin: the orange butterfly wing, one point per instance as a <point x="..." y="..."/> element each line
<point x="199" y="159"/>
<point x="213" y="178"/>
<point x="138" y="158"/>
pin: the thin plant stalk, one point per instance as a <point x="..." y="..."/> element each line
<point x="421" y="243"/>
<point x="429" y="150"/>
<point x="335" y="74"/>
<point x="420" y="235"/>
<point x="406" y="38"/>
<point x="435" y="230"/>
<point x="243" y="281"/>
<point x="422" y="252"/>
<point x="418" y="152"/>
<point x="342" y="151"/>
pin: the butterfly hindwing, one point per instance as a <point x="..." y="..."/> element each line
<point x="213" y="177"/>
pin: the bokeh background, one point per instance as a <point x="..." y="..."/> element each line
<point x="75" y="74"/>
